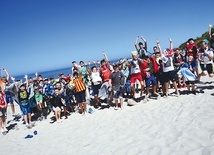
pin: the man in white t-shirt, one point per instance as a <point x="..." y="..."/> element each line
<point x="205" y="59"/>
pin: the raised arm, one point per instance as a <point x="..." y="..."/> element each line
<point x="159" y="47"/>
<point x="210" y="30"/>
<point x="7" y="74"/>
<point x="170" y="44"/>
<point x="26" y="80"/>
<point x="145" y="42"/>
<point x="136" y="42"/>
<point x="15" y="84"/>
<point x="105" y="56"/>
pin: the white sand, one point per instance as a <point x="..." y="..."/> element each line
<point x="174" y="125"/>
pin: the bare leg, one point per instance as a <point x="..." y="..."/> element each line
<point x="121" y="103"/>
<point x="116" y="104"/>
<point x="84" y="107"/>
<point x="1" y="124"/>
<point x="12" y="108"/>
<point x="133" y="90"/>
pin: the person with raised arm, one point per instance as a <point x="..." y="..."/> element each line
<point x="142" y="50"/>
<point x="211" y="37"/>
<point x="24" y="104"/>
<point x="168" y="67"/>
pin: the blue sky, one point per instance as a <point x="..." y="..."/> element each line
<point x="41" y="35"/>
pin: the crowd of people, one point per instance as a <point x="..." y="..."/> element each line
<point x="146" y="75"/>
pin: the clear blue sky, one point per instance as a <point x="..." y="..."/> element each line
<point x="40" y="35"/>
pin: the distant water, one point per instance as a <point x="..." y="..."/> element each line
<point x="53" y="73"/>
<point x="48" y="74"/>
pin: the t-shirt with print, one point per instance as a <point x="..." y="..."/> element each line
<point x="167" y="64"/>
<point x="117" y="80"/>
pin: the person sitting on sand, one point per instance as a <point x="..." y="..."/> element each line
<point x="116" y="82"/>
<point x="57" y="101"/>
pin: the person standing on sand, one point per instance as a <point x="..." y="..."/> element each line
<point x="205" y="59"/>
<point x="80" y="92"/>
<point x="149" y="67"/>
<point x="23" y="96"/>
<point x="96" y="84"/>
<point x="135" y="73"/>
<point x="116" y="82"/>
<point x="168" y="68"/>
<point x="6" y="88"/>
<point x="3" y="107"/>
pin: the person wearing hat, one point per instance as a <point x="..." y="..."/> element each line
<point x="3" y="107"/>
<point x="116" y="82"/>
<point x="205" y="59"/>
<point x="142" y="50"/>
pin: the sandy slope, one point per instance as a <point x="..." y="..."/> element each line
<point x="174" y="125"/>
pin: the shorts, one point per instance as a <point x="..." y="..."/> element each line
<point x="118" y="94"/>
<point x="135" y="77"/>
<point x="25" y="109"/>
<point x="2" y="112"/>
<point x="150" y="80"/>
<point x="190" y="82"/>
<point x="80" y="96"/>
<point x="169" y="76"/>
<point x="56" y="108"/>
<point x="9" y="98"/>
<point x="96" y="88"/>
<point x="207" y="67"/>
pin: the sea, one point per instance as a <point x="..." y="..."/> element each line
<point x="53" y="73"/>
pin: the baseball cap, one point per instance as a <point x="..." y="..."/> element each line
<point x="206" y="41"/>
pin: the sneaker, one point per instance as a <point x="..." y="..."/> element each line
<point x="177" y="94"/>
<point x="28" y="126"/>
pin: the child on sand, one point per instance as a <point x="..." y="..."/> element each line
<point x="80" y="92"/>
<point x="23" y="96"/>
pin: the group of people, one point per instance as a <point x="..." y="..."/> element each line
<point x="149" y="73"/>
